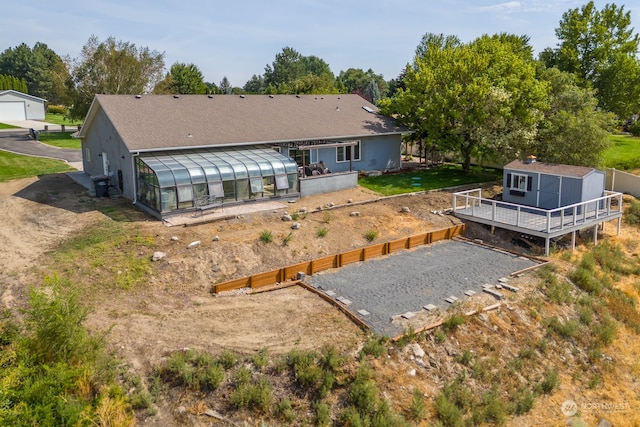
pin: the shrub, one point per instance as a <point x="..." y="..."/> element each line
<point x="550" y="381"/>
<point x="242" y="375"/>
<point x="260" y="359"/>
<point x="227" y="359"/>
<point x="322" y="232"/>
<point x="606" y="330"/>
<point x="284" y="411"/>
<point x="266" y="236"/>
<point x="57" y="109"/>
<point x="448" y="412"/>
<point x="197" y="371"/>
<point x="375" y="346"/>
<point x="371" y="235"/>
<point x="632" y="213"/>
<point x="634" y="129"/>
<point x="522" y="401"/>
<point x="287" y="239"/>
<point x="257" y="396"/>
<point x="585" y="280"/>
<point x="452" y="322"/>
<point x="566" y="329"/>
<point x="326" y="217"/>
<point x="418" y="409"/>
<point x="323" y="415"/>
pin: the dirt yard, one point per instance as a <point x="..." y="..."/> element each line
<point x="177" y="309"/>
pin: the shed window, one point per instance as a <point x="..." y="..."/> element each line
<point x="520" y="182"/>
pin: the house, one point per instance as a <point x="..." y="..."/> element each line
<point x="16" y="105"/>
<point x="168" y="152"/>
<point x="550" y="186"/>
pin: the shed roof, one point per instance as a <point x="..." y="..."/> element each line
<point x="550" y="168"/>
<point x="20" y="94"/>
<point x="160" y="122"/>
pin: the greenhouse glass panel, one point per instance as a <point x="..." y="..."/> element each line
<point x="256" y="185"/>
<point x="282" y="182"/>
<point x="165" y="178"/>
<point x="182" y="176"/>
<point x="216" y="189"/>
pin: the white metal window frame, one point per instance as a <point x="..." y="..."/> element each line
<point x="342" y="153"/>
<point x="518" y="182"/>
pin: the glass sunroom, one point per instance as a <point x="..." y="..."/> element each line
<point x="172" y="181"/>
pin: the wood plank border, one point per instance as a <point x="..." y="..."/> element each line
<point x="290" y="272"/>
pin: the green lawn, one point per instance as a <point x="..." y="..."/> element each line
<point x="6" y="126"/>
<point x="624" y="153"/>
<point x="447" y="175"/>
<point x="60" y="119"/>
<point x="15" y="166"/>
<point x="59" y="139"/>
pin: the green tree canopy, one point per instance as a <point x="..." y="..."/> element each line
<point x="356" y="80"/>
<point x="182" y="79"/>
<point x="600" y="47"/>
<point x="255" y="84"/>
<point x="13" y="83"/>
<point x="480" y="99"/>
<point x="292" y="72"/>
<point x="44" y="72"/>
<point x="574" y="130"/>
<point x="113" y="67"/>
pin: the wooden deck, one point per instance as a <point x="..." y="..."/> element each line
<point x="545" y="223"/>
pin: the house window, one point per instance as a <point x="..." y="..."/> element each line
<point x="343" y="154"/>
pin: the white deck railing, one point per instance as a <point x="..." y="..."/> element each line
<point x="471" y="203"/>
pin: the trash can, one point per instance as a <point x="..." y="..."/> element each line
<point x="101" y="185"/>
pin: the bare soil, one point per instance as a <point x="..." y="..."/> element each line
<point x="176" y="309"/>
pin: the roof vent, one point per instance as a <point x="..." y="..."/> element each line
<point x="530" y="159"/>
<point x="176" y="96"/>
<point x="368" y="109"/>
<point x="271" y="96"/>
<point x="138" y="96"/>
<point x="297" y="96"/>
<point x="241" y="96"/>
<point x="210" y="96"/>
<point x="337" y="108"/>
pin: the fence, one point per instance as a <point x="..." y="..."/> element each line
<point x="337" y="260"/>
<point x="623" y="182"/>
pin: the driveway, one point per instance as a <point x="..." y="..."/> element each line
<point x="18" y="141"/>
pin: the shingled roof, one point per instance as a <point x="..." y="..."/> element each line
<point x="161" y="122"/>
<point x="550" y="168"/>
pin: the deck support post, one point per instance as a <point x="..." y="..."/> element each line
<point x="493" y="229"/>
<point x="573" y="240"/>
<point x="595" y="235"/>
<point x="546" y="246"/>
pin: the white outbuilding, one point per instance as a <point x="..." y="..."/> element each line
<point x="16" y="105"/>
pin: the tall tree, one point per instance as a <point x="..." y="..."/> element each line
<point x="113" y="67"/>
<point x="292" y="72"/>
<point x="356" y="80"/>
<point x="599" y="46"/>
<point x="480" y="99"/>
<point x="574" y="130"/>
<point x="225" y="86"/>
<point x="43" y="70"/>
<point x="182" y="79"/>
<point x="255" y="84"/>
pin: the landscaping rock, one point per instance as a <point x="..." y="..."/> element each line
<point x="158" y="256"/>
<point x="405" y="209"/>
<point x="417" y="350"/>
<point x="295" y="226"/>
<point x="193" y="245"/>
<point x="287" y="217"/>
<point x="354" y="214"/>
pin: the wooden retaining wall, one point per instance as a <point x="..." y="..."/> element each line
<point x="312" y="267"/>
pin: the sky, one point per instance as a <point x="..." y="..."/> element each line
<point x="238" y="38"/>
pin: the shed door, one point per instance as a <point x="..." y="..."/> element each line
<point x="549" y="191"/>
<point x="12" y="111"/>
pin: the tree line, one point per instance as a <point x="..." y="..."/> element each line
<point x="488" y="99"/>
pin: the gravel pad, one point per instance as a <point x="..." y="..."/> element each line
<point x="407" y="281"/>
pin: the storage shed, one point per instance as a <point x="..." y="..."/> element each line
<point x="549" y="186"/>
<point x="16" y="105"/>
